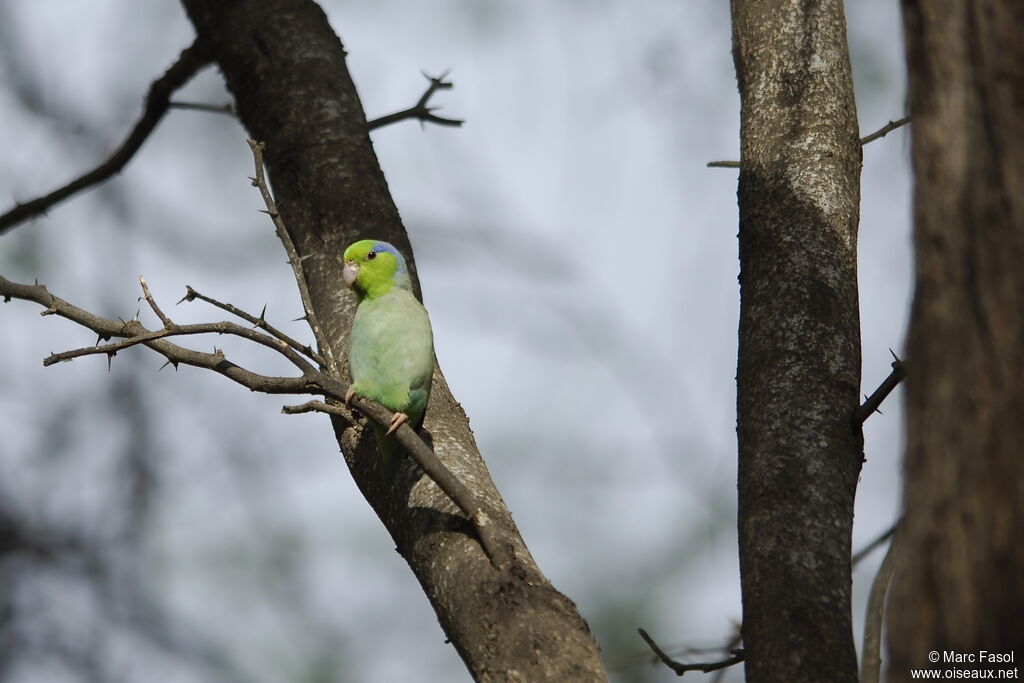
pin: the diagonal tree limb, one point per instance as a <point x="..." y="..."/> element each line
<point x="259" y="181"/>
<point x="311" y="381"/>
<point x="191" y="60"/>
<point x="872" y="402"/>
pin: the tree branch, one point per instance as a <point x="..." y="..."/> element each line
<point x="680" y="668"/>
<point x="191" y="60"/>
<point x="259" y="181"/>
<point x="133" y="333"/>
<point x="420" y="110"/>
<point x="870" y="547"/>
<point x="885" y="130"/>
<point x="880" y="133"/>
<point x="873" y="401"/>
<point x="260" y="322"/>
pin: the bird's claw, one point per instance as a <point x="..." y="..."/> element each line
<point x="397" y="420"/>
<point x="347" y="400"/>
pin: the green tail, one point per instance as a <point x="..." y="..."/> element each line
<point x="390" y="451"/>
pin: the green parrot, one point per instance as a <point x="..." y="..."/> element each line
<point x="391" y="349"/>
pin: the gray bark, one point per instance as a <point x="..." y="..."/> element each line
<point x="798" y="378"/>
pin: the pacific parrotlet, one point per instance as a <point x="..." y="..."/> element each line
<point x="391" y="349"/>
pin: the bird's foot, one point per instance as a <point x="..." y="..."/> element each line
<point x="397" y="420"/>
<point x="348" y="396"/>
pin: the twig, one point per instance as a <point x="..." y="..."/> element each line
<point x="260" y="322"/>
<point x="680" y="668"/>
<point x="311" y="381"/>
<point x="259" y="181"/>
<point x="420" y="110"/>
<point x="873" y="401"/>
<point x="491" y="538"/>
<point x="228" y="109"/>
<point x="152" y="304"/>
<point x="191" y="60"/>
<point x="880" y="133"/>
<point x="870" y="547"/>
<point x="885" y="130"/>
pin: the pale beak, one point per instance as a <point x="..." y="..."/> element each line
<point x="350" y="272"/>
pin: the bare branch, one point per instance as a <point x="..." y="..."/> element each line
<point x="723" y="164"/>
<point x="880" y="133"/>
<point x="420" y="110"/>
<point x="152" y="303"/>
<point x="494" y="541"/>
<point x="189" y="63"/>
<point x="259" y="181"/>
<point x="680" y="668"/>
<point x="873" y="401"/>
<point x="260" y="322"/>
<point x="885" y="130"/>
<point x="228" y="109"/>
<point x="870" y="547"/>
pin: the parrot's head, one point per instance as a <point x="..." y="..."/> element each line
<point x="373" y="268"/>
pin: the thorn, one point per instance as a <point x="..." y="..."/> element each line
<point x="262" y="313"/>
<point x="169" y="362"/>
<point x="879" y="411"/>
<point x="895" y="357"/>
<point x="190" y="294"/>
<point x="110" y="357"/>
<point x="302" y="318"/>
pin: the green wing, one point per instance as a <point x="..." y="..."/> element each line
<point x="391" y="358"/>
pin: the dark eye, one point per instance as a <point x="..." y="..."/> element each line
<point x="371" y="255"/>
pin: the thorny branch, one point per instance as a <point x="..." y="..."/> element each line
<point x="880" y="133"/>
<point x="310" y="381"/>
<point x="259" y="181"/>
<point x="679" y="668"/>
<point x="189" y="63"/>
<point x="260" y="322"/>
<point x="872" y="402"/>
<point x="158" y="101"/>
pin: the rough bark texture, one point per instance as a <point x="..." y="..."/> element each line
<point x="960" y="582"/>
<point x="286" y="69"/>
<point x="799" y="349"/>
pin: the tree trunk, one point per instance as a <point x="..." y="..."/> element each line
<point x="798" y="377"/>
<point x="960" y="583"/>
<point x="286" y="69"/>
